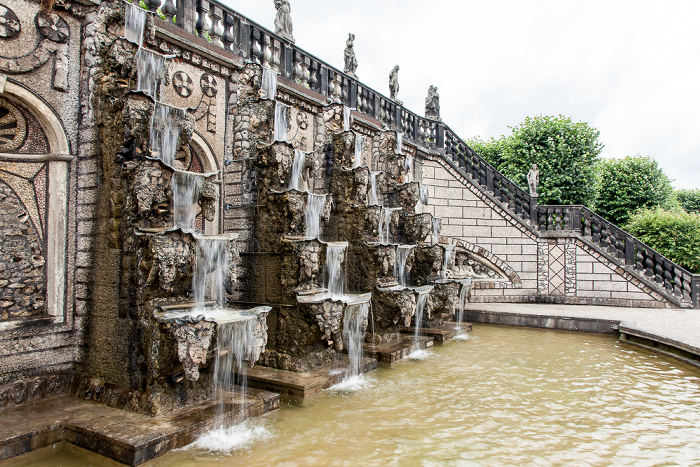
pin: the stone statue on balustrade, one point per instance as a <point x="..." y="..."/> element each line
<point x="283" y="20"/>
<point x="394" y="85"/>
<point x="432" y="104"/>
<point x="350" y="59"/>
<point x="533" y="179"/>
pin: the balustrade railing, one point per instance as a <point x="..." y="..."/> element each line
<point x="232" y="31"/>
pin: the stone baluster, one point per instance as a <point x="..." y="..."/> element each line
<point x="152" y="5"/>
<point x="658" y="269"/>
<point x="276" y="62"/>
<point x="668" y="276"/>
<point x="257" y="46"/>
<point x="215" y="30"/>
<point x="313" y="76"/>
<point x="337" y="92"/>
<point x="169" y="10"/>
<point x="186" y="15"/>
<point x="202" y="12"/>
<point x="695" y="290"/>
<point x="266" y="51"/>
<point x="296" y="67"/>
<point x="230" y="38"/>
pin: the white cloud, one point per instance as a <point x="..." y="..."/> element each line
<point x="629" y="68"/>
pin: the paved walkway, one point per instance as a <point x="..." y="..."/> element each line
<point x="668" y="325"/>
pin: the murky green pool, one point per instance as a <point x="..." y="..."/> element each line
<point x="506" y="396"/>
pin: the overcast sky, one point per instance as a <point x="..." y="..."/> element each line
<point x="631" y="69"/>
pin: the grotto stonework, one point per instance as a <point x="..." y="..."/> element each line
<point x="262" y="190"/>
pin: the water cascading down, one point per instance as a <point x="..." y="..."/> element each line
<point x="373" y="194"/>
<point x="399" y="143"/>
<point x="295" y="182"/>
<point x="446" y="262"/>
<point x="312" y="214"/>
<point x="435" y="224"/>
<point x="424" y="195"/>
<point x="150" y="69"/>
<point x="165" y="132"/>
<point x="408" y="167"/>
<point x="420" y="308"/>
<point x="400" y="273"/>
<point x="211" y="267"/>
<point x="359" y="144"/>
<point x="269" y="84"/>
<point x="384" y="223"/>
<point x="354" y="328"/>
<point x="346" y="118"/>
<point x="280" y="122"/>
<point x="335" y="268"/>
<point x="462" y="300"/>
<point x="186" y="188"/>
<point x="134" y="23"/>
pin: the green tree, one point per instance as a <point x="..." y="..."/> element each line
<point x="491" y="150"/>
<point x="564" y="151"/>
<point x="674" y="234"/>
<point x="626" y="185"/>
<point x="689" y="200"/>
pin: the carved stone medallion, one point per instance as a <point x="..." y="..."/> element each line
<point x="182" y="84"/>
<point x="13" y="127"/>
<point x="53" y="27"/>
<point x="208" y="85"/>
<point x="9" y="23"/>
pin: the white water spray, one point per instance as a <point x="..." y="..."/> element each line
<point x="312" y="214"/>
<point x="359" y="144"/>
<point x="373" y="194"/>
<point x="346" y="118"/>
<point x="384" y="223"/>
<point x="211" y="268"/>
<point x="150" y="70"/>
<point x="400" y="273"/>
<point x="435" y="222"/>
<point x="186" y="188"/>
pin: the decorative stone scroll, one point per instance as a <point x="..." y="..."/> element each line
<point x="207" y="105"/>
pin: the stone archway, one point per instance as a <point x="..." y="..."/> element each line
<point x="34" y="158"/>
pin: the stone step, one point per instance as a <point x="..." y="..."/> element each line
<point x="305" y="384"/>
<point x="442" y="333"/>
<point x="394" y="351"/>
<point x="127" y="437"/>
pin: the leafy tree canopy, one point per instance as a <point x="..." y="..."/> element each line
<point x="564" y="151"/>
<point x="628" y="184"/>
<point x="689" y="200"/>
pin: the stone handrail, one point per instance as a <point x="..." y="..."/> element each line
<point x="232" y="31"/>
<point x="622" y="246"/>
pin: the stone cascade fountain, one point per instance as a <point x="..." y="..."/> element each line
<point x="182" y="300"/>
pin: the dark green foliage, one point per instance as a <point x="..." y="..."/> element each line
<point x="674" y="234"/>
<point x="626" y="185"/>
<point x="564" y="151"/>
<point x="689" y="200"/>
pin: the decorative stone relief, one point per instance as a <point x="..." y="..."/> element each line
<point x="467" y="265"/>
<point x="13" y="127"/>
<point x="54" y="34"/>
<point x="182" y="83"/>
<point x="173" y="257"/>
<point x="193" y="342"/>
<point x="9" y="23"/>
<point x="207" y="105"/>
<point x="329" y="315"/>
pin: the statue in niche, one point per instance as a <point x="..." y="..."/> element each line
<point x="350" y="58"/>
<point x="432" y="103"/>
<point x="468" y="268"/>
<point x="283" y="20"/>
<point x="533" y="179"/>
<point x="394" y="85"/>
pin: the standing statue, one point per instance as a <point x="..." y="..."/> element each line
<point x="283" y="20"/>
<point x="432" y="103"/>
<point x="533" y="179"/>
<point x="350" y="59"/>
<point x="394" y="84"/>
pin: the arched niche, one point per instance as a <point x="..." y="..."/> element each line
<point x="202" y="160"/>
<point x="34" y="170"/>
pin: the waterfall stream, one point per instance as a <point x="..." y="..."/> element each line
<point x="269" y="84"/>
<point x="186" y="188"/>
<point x="399" y="143"/>
<point x="312" y="214"/>
<point x="134" y="23"/>
<point x="408" y="168"/>
<point x="354" y="328"/>
<point x="400" y="273"/>
<point x="210" y="271"/>
<point x="280" y="122"/>
<point x="335" y="268"/>
<point x="447" y="259"/>
<point x="165" y="132"/>
<point x="359" y="144"/>
<point x="420" y="308"/>
<point x="150" y="68"/>
<point x="295" y="183"/>
<point x="384" y="224"/>
<point x="373" y="194"/>
<point x="435" y="224"/>
<point x="346" y="118"/>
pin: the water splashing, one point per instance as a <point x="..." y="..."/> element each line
<point x="210" y="271"/>
<point x="346" y="118"/>
<point x="359" y="144"/>
<point x="354" y="328"/>
<point x="384" y="223"/>
<point x="373" y="194"/>
<point x="297" y="170"/>
<point x="269" y="84"/>
<point x="186" y="188"/>
<point x="435" y="222"/>
<point x="280" y="121"/>
<point x="400" y="273"/>
<point x="424" y="195"/>
<point x="463" y="291"/>
<point x="446" y="262"/>
<point x="416" y="353"/>
<point x="312" y="214"/>
<point x="150" y="68"/>
<point x="335" y="268"/>
<point x="165" y="132"/>
<point x="134" y="23"/>
<point x="408" y="168"/>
